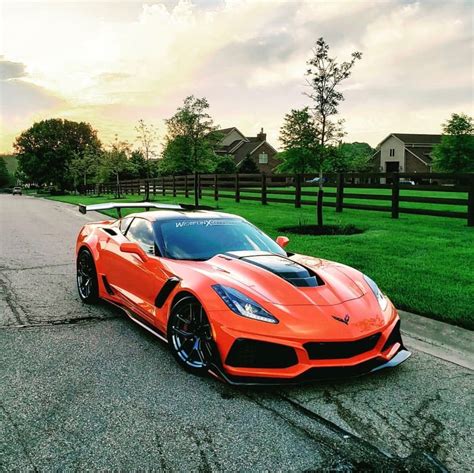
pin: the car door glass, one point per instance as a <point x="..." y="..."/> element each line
<point x="141" y="232"/>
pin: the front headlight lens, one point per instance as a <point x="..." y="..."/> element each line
<point x="381" y="299"/>
<point x="243" y="305"/>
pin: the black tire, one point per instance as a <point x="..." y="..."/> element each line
<point x="86" y="277"/>
<point x="189" y="336"/>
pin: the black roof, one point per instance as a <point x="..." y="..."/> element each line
<point x="418" y="138"/>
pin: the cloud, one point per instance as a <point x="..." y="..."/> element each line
<point x="112" y="66"/>
<point x="11" y="70"/>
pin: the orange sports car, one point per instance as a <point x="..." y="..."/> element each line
<point x="232" y="302"/>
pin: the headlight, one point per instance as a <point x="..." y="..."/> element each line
<point x="243" y="305"/>
<point x="381" y="299"/>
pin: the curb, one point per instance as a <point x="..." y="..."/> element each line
<point x="439" y="339"/>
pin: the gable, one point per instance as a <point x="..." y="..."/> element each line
<point x="232" y="136"/>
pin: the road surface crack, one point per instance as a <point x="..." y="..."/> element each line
<point x="20" y="437"/>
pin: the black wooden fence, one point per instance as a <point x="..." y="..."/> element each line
<point x="294" y="189"/>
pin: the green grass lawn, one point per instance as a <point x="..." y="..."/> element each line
<point x="424" y="264"/>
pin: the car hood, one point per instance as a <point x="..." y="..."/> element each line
<point x="288" y="281"/>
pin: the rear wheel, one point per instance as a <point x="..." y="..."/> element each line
<point x="87" y="283"/>
<point x="189" y="336"/>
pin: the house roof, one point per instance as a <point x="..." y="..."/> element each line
<point x="422" y="153"/>
<point x="225" y="131"/>
<point x="241" y="153"/>
<point x="412" y="138"/>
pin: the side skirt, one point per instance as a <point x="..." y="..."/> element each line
<point x="143" y="323"/>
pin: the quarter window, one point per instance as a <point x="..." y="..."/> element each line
<point x="392" y="151"/>
<point x="124" y="223"/>
<point x="141" y="231"/>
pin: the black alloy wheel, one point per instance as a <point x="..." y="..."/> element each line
<point x="190" y="337"/>
<point x="87" y="284"/>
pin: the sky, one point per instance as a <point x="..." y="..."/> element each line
<point x="112" y="63"/>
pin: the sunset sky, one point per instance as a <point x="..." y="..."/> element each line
<point x="112" y="63"/>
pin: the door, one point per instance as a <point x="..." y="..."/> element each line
<point x="136" y="281"/>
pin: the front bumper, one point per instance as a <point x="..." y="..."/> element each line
<point x="312" y="360"/>
<point x="314" y="374"/>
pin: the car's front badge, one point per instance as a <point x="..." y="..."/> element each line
<point x="344" y="320"/>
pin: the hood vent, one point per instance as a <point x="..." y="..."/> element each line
<point x="283" y="267"/>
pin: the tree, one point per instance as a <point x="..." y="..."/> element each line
<point x="138" y="167"/>
<point x="190" y="140"/>
<point x="47" y="148"/>
<point x="84" y="165"/>
<point x="351" y="157"/>
<point x="114" y="162"/>
<point x="6" y="179"/>
<point x="299" y="138"/>
<point x="248" y="166"/>
<point x="147" y="137"/>
<point x="225" y="165"/>
<point x="455" y="153"/>
<point x="324" y="77"/>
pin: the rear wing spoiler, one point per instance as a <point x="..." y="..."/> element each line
<point x="137" y="205"/>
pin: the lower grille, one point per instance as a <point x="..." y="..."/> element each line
<point x="247" y="353"/>
<point x="339" y="350"/>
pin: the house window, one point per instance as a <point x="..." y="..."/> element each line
<point x="392" y="151"/>
<point x="263" y="158"/>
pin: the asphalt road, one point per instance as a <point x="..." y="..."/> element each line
<point x="84" y="388"/>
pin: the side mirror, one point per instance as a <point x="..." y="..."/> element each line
<point x="135" y="249"/>
<point x="282" y="241"/>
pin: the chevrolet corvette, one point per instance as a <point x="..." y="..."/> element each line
<point x="232" y="302"/>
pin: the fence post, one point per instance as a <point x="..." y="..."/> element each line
<point x="297" y="190"/>
<point x="186" y="191"/>
<point x="264" y="189"/>
<point x="470" y="204"/>
<point x="174" y="186"/>
<point x="163" y="189"/>
<point x="395" y="194"/>
<point x="196" y="188"/>
<point x="237" y="187"/>
<point x="154" y="187"/>
<point x="340" y="192"/>
<point x="216" y="188"/>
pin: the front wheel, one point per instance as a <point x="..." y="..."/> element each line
<point x="87" y="283"/>
<point x="189" y="336"/>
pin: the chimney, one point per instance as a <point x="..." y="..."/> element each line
<point x="262" y="136"/>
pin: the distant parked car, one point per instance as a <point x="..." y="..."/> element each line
<point x="17" y="190"/>
<point x="407" y="182"/>
<point x="315" y="180"/>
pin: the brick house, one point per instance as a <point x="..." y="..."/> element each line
<point x="405" y="152"/>
<point x="234" y="143"/>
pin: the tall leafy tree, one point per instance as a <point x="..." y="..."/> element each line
<point x="455" y="153"/>
<point x="47" y="148"/>
<point x="190" y="140"/>
<point x="324" y="78"/>
<point x="84" y="166"/>
<point x="299" y="138"/>
<point x="6" y="179"/>
<point x="114" y="162"/>
<point x="191" y="137"/>
<point x="147" y="138"/>
<point x="351" y="157"/>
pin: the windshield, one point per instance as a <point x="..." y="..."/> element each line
<point x="201" y="239"/>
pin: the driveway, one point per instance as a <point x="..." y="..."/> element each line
<point x="83" y="387"/>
